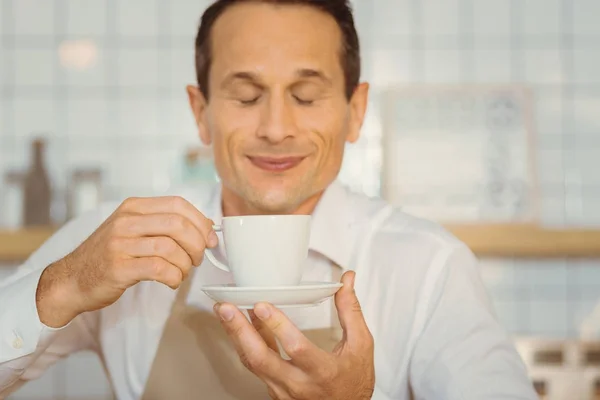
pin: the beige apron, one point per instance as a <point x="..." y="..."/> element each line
<point x="196" y="359"/>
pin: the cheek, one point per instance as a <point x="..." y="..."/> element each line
<point x="329" y="129"/>
<point x="229" y="127"/>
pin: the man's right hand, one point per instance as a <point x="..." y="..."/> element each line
<point x="145" y="239"/>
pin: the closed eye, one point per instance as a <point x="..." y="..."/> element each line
<point x="303" y="102"/>
<point x="250" y="102"/>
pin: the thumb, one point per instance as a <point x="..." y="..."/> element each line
<point x="349" y="310"/>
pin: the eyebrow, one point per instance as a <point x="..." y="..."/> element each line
<point x="250" y="77"/>
<point x="313" y="73"/>
<point x="253" y="78"/>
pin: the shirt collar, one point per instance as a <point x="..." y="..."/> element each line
<point x="334" y="227"/>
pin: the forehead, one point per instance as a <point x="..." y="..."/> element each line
<point x="275" y="39"/>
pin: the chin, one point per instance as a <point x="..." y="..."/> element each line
<point x="277" y="202"/>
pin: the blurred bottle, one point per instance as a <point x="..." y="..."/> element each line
<point x="37" y="192"/>
<point x="540" y="389"/>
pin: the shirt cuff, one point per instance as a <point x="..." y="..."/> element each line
<point x="21" y="331"/>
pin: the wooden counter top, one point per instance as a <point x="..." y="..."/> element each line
<point x="528" y="241"/>
<point x="502" y="240"/>
<point x="17" y="245"/>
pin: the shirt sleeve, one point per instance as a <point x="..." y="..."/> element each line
<point x="462" y="352"/>
<point x="27" y="346"/>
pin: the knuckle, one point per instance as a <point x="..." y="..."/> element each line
<point x="163" y="246"/>
<point x="122" y="222"/>
<point x="156" y="267"/>
<point x="113" y="244"/>
<point x="368" y="341"/>
<point x="175" y="221"/>
<point x="297" y="349"/>
<point x="129" y="203"/>
<point x="178" y="202"/>
<point x="251" y="362"/>
<point x="296" y="392"/>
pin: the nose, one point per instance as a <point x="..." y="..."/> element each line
<point x="277" y="122"/>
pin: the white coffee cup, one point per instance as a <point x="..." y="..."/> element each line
<point x="264" y="250"/>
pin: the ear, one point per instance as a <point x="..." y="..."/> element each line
<point x="358" y="109"/>
<point x="198" y="105"/>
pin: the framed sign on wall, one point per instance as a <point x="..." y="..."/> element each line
<point x="460" y="154"/>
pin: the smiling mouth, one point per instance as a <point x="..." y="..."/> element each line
<point x="273" y="164"/>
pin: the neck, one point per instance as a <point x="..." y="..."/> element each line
<point x="234" y="205"/>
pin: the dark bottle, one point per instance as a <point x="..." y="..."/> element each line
<point x="38" y="196"/>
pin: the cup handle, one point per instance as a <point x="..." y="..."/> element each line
<point x="211" y="256"/>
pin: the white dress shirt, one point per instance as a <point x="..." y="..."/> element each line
<point x="420" y="289"/>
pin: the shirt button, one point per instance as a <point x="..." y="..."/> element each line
<point x="17" y="342"/>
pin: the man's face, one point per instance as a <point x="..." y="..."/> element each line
<point x="277" y="114"/>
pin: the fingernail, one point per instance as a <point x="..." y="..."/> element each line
<point x="226" y="313"/>
<point x="262" y="311"/>
<point x="213" y="240"/>
<point x="352" y="277"/>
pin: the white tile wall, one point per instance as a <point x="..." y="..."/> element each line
<point x="137" y="17"/>
<point x="88" y="117"/>
<point x="35" y="114"/>
<point x="398" y="23"/>
<point x="442" y="66"/>
<point x="492" y="66"/>
<point x="493" y="17"/>
<point x="438" y="18"/>
<point x="390" y="66"/>
<point x="184" y="16"/>
<point x="27" y="64"/>
<point x="181" y="67"/>
<point x="542" y="17"/>
<point x="543" y="66"/>
<point x="138" y="67"/>
<point x="34" y="17"/>
<point x="586" y="65"/>
<point x="86" y="17"/>
<point x="586" y="13"/>
<point x="128" y="114"/>
<point x="92" y="77"/>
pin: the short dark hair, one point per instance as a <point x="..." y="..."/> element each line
<point x="340" y="10"/>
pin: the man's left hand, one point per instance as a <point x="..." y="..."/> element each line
<point x="312" y="373"/>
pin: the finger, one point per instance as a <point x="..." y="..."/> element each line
<point x="263" y="331"/>
<point x="161" y="246"/>
<point x="301" y="351"/>
<point x="175" y="226"/>
<point x="350" y="314"/>
<point x="173" y="205"/>
<point x="150" y="269"/>
<point x="253" y="351"/>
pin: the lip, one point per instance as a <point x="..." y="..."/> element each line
<point x="276" y="164"/>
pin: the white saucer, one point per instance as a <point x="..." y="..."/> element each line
<point x="307" y="294"/>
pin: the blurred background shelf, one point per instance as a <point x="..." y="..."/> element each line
<point x="528" y="241"/>
<point x="17" y="245"/>
<point x="485" y="240"/>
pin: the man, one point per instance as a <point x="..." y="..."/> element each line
<point x="278" y="97"/>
